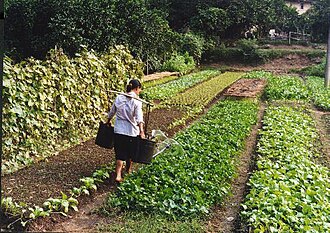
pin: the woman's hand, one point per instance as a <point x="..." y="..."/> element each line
<point x="142" y="135"/>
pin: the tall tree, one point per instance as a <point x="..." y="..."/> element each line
<point x="319" y="16"/>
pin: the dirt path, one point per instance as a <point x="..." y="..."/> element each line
<point x="322" y="120"/>
<point x="281" y="65"/>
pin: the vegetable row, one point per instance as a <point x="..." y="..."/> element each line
<point x="289" y="191"/>
<point x="202" y="94"/>
<point x="168" y="89"/>
<point x="295" y="88"/>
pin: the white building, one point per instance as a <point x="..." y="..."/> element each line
<point x="301" y="5"/>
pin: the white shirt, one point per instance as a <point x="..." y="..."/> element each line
<point x="128" y="115"/>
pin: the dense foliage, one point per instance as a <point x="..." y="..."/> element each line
<point x="97" y="24"/>
<point x="288" y="191"/>
<point x="188" y="179"/>
<point x="319" y="19"/>
<point x="179" y="63"/>
<point x="48" y="105"/>
<point x="152" y="29"/>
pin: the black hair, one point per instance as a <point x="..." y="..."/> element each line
<point x="134" y="83"/>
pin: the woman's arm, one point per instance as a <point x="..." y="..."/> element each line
<point x="111" y="113"/>
<point x="142" y="135"/>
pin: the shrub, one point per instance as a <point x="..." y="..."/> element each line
<point x="248" y="49"/>
<point x="315" y="70"/>
<point x="222" y="53"/>
<point x="193" y="44"/>
<point x="179" y="63"/>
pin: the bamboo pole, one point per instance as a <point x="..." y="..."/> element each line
<point x="327" y="66"/>
<point x="122" y="93"/>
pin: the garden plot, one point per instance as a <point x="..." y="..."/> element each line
<point x="200" y="95"/>
<point x="186" y="181"/>
<point x="248" y="88"/>
<point x="289" y="192"/>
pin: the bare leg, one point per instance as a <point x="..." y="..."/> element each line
<point x="119" y="166"/>
<point x="129" y="166"/>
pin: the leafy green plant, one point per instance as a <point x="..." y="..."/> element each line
<point x="286" y="88"/>
<point x="282" y="87"/>
<point x="24" y="214"/>
<point x="37" y="212"/>
<point x="179" y="63"/>
<point x="319" y="93"/>
<point x="89" y="183"/>
<point x="186" y="180"/>
<point x="61" y="204"/>
<point x="140" y="223"/>
<point x="288" y="191"/>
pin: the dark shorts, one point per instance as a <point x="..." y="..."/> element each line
<point x="125" y="146"/>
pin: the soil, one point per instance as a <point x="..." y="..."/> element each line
<point x="62" y="172"/>
<point x="246" y="88"/>
<point x="322" y="120"/>
<point x="158" y="75"/>
<point x="281" y="65"/>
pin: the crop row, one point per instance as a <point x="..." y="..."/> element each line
<point x="202" y="94"/>
<point x="282" y="87"/>
<point x="165" y="90"/>
<point x="294" y="88"/>
<point x="289" y="192"/>
<point x="186" y="180"/>
<point x="321" y="95"/>
<point x="151" y="83"/>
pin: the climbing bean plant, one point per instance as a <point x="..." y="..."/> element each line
<point x="49" y="105"/>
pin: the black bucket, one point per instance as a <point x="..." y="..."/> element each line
<point x="145" y="151"/>
<point x="105" y="136"/>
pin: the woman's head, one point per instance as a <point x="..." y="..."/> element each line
<point x="134" y="85"/>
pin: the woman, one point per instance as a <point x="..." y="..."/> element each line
<point x="128" y="125"/>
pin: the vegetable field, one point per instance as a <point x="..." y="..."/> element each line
<point x="186" y="187"/>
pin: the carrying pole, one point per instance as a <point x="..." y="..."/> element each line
<point x="122" y="93"/>
<point x="147" y="119"/>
